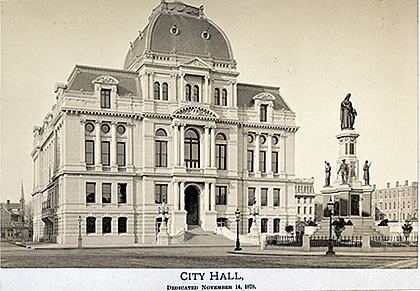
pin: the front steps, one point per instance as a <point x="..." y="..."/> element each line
<point x="195" y="235"/>
<point x="360" y="226"/>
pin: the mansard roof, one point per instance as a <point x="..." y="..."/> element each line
<point x="83" y="77"/>
<point x="246" y="93"/>
<point x="175" y="27"/>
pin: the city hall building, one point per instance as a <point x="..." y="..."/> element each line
<point x="173" y="130"/>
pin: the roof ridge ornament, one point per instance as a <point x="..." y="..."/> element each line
<point x="106" y="80"/>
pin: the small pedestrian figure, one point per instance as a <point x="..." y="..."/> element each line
<point x="327" y="174"/>
<point x="366" y="175"/>
<point x="343" y="171"/>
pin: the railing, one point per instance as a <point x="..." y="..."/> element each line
<point x="344" y="241"/>
<point x="283" y="240"/>
<point x="393" y="241"/>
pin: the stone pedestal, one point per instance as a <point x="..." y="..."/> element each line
<point x="163" y="236"/>
<point x="178" y="221"/>
<point x="209" y="221"/>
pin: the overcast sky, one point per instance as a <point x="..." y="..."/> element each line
<point x="316" y="51"/>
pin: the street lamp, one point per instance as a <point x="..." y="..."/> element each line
<point x="79" y="240"/>
<point x="238" y="243"/>
<point x="330" y="250"/>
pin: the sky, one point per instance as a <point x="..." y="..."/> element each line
<point x="315" y="50"/>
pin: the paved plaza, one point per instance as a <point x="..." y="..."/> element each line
<point x="197" y="257"/>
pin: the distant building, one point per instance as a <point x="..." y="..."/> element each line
<point x="13" y="221"/>
<point x="397" y="203"/>
<point x="305" y="199"/>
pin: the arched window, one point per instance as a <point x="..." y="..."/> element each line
<point x="192" y="149"/>
<point x="264" y="222"/>
<point x="156" y="91"/>
<point x="90" y="224"/>
<point x="276" y="225"/>
<point x="196" y="94"/>
<point x="298" y="210"/>
<point x="161" y="148"/>
<point x="164" y="91"/>
<point x="122" y="224"/>
<point x="216" y="96"/>
<point x="188" y="92"/>
<point x="224" y="97"/>
<point x="106" y="224"/>
<point x="221" y="151"/>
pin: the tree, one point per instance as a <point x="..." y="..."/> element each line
<point x="289" y="229"/>
<point x="339" y="226"/>
<point x="407" y="229"/>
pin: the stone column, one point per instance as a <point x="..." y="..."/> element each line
<point x="182" y="87"/>
<point x="233" y="95"/>
<point x="181" y="146"/>
<point x="206" y="147"/>
<point x="175" y="145"/>
<point x="206" y="196"/>
<point x="113" y="151"/>
<point x="151" y="79"/>
<point x="257" y="154"/>
<point x="268" y="164"/>
<point x="206" y="94"/>
<point x="182" y="196"/>
<point x="175" y="192"/>
<point x="130" y="146"/>
<point x="282" y="156"/>
<point x="212" y="197"/>
<point x="97" y="145"/>
<point x="212" y="148"/>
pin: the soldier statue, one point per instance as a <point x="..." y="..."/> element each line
<point x="327" y="174"/>
<point x="366" y="175"/>
<point x="343" y="171"/>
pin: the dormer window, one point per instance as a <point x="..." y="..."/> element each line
<point x="224" y="97"/>
<point x="196" y="94"/>
<point x="156" y="90"/>
<point x="105" y="98"/>
<point x="106" y="91"/>
<point x="216" y="96"/>
<point x="263" y="112"/>
<point x="188" y="92"/>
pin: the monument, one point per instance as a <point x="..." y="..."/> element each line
<point x="352" y="198"/>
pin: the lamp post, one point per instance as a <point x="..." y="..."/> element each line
<point x="238" y="243"/>
<point x="79" y="240"/>
<point x="330" y="250"/>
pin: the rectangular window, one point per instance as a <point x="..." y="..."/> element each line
<point x="105" y="149"/>
<point x="161" y="153"/>
<point x="106" y="193"/>
<point x="105" y="98"/>
<point x="221" y="156"/>
<point x="250" y="160"/>
<point x="264" y="223"/>
<point x="122" y="224"/>
<point x="90" y="225"/>
<point x="161" y="191"/>
<point x="275" y="162"/>
<point x="89" y="152"/>
<point x="262" y="161"/>
<point x="276" y="225"/>
<point x="264" y="194"/>
<point x="352" y="149"/>
<point x="276" y="197"/>
<point x="221" y="195"/>
<point x="122" y="193"/>
<point x="251" y="196"/>
<point x="263" y="112"/>
<point x="106" y="224"/>
<point x="90" y="192"/>
<point x="121" y="154"/>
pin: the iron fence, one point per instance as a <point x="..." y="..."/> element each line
<point x="378" y="241"/>
<point x="344" y="241"/>
<point x="284" y="240"/>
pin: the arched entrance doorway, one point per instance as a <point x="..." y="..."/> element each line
<point x="192" y="206"/>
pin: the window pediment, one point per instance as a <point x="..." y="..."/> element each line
<point x="196" y="62"/>
<point x="264" y="97"/>
<point x="195" y="112"/>
<point x="109" y="80"/>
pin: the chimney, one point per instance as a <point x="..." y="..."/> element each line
<point x="8" y="201"/>
<point x="387" y="184"/>
<point x="406" y="182"/>
<point x="397" y="184"/>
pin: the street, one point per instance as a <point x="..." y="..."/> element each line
<point x="193" y="257"/>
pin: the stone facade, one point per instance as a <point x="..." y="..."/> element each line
<point x="175" y="127"/>
<point x="397" y="203"/>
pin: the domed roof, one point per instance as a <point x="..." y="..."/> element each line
<point x="181" y="29"/>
